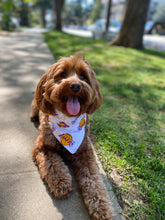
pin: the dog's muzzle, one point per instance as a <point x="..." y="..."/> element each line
<point x="75" y="87"/>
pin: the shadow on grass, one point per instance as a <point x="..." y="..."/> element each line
<point x="68" y="44"/>
<point x="156" y="53"/>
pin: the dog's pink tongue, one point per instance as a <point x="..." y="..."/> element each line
<point x="73" y="105"/>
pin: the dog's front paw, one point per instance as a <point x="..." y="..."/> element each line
<point x="100" y="209"/>
<point x="62" y="190"/>
<point x="102" y="214"/>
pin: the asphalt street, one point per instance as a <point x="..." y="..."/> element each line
<point x="150" y="41"/>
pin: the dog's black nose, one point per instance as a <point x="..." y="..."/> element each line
<point x="75" y="87"/>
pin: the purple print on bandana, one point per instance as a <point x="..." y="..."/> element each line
<point x="63" y="124"/>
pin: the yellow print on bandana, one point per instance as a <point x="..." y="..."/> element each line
<point x="63" y="124"/>
<point x="66" y="139"/>
<point x="82" y="123"/>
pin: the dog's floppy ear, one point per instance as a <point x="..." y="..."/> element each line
<point x="41" y="102"/>
<point x="97" y="99"/>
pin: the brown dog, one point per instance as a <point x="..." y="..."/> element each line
<point x="66" y="94"/>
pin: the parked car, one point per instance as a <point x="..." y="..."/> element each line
<point x="148" y="26"/>
<point x="98" y="29"/>
<point x="157" y="28"/>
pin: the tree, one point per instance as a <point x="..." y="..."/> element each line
<point x="78" y="12"/>
<point x="14" y="9"/>
<point x="43" y="5"/>
<point x="96" y="11"/>
<point x="58" y="7"/>
<point x="68" y="13"/>
<point x="74" y="13"/>
<point x="24" y="13"/>
<point x="6" y="9"/>
<point x="132" y="29"/>
<point x="108" y="17"/>
<point x="159" y="15"/>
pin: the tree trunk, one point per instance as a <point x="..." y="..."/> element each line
<point x="108" y="18"/>
<point x="58" y="7"/>
<point x="132" y="29"/>
<point x="24" y="12"/>
<point x="43" y="12"/>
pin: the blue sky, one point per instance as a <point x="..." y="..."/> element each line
<point x="84" y="1"/>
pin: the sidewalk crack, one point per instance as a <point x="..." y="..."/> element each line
<point x="18" y="173"/>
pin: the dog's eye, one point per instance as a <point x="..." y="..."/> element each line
<point x="63" y="75"/>
<point x="82" y="77"/>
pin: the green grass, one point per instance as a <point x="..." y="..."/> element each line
<point x="129" y="128"/>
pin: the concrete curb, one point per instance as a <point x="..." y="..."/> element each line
<point x="112" y="196"/>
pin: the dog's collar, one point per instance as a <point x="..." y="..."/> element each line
<point x="69" y="131"/>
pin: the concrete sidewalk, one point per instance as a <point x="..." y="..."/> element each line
<point x="24" y="57"/>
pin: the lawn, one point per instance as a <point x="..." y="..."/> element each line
<point x="129" y="128"/>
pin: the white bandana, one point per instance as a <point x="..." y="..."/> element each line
<point x="69" y="131"/>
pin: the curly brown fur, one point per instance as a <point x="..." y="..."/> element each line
<point x="70" y="76"/>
